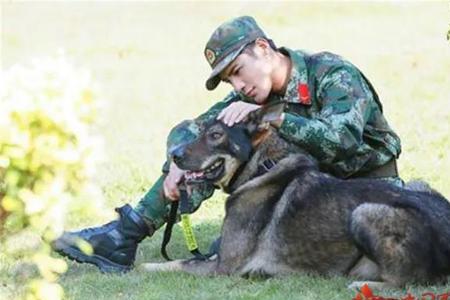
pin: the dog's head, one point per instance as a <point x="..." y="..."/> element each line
<point x="217" y="151"/>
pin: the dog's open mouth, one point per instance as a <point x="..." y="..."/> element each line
<point x="211" y="173"/>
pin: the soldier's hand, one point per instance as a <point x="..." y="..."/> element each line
<point x="171" y="182"/>
<point x="236" y="112"/>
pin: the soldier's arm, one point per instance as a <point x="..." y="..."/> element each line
<point x="337" y="131"/>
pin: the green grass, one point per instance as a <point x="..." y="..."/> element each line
<point x="147" y="59"/>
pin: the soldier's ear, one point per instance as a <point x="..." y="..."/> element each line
<point x="266" y="114"/>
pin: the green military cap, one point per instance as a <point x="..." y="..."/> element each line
<point x="182" y="134"/>
<point x="227" y="42"/>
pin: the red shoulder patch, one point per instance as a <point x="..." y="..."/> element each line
<point x="303" y="94"/>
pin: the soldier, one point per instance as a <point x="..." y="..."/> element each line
<point x="331" y="110"/>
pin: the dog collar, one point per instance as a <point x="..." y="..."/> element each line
<point x="265" y="166"/>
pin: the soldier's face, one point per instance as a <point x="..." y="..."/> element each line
<point x="250" y="74"/>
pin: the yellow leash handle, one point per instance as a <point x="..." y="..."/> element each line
<point x="188" y="232"/>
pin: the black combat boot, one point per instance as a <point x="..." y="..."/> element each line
<point x="114" y="244"/>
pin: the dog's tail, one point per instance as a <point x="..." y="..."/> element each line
<point x="437" y="208"/>
<point x="192" y="266"/>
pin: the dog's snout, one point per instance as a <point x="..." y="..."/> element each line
<point x="177" y="153"/>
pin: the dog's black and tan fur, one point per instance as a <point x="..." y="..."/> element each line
<point x="295" y="218"/>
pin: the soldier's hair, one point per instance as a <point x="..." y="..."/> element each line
<point x="249" y="48"/>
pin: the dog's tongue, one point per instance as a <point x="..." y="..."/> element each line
<point x="193" y="175"/>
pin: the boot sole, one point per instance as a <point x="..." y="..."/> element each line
<point x="105" y="265"/>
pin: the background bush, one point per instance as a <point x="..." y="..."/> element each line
<point x="47" y="156"/>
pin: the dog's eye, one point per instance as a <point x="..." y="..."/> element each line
<point x="216" y="135"/>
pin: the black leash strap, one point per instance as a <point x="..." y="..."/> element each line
<point x="186" y="225"/>
<point x="168" y="231"/>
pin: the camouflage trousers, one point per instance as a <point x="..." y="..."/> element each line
<point x="155" y="207"/>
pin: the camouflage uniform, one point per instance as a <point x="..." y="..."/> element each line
<point x="331" y="111"/>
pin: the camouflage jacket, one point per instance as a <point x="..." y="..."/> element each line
<point x="333" y="112"/>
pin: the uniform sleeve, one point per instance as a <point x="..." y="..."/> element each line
<point x="337" y="131"/>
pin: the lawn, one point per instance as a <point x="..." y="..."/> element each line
<point x="147" y="59"/>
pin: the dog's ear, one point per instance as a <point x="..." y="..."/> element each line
<point x="261" y="117"/>
<point x="272" y="112"/>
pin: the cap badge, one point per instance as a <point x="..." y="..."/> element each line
<point x="210" y="56"/>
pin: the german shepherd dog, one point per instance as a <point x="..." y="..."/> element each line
<point x="294" y="218"/>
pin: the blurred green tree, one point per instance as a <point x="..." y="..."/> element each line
<point x="47" y="157"/>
